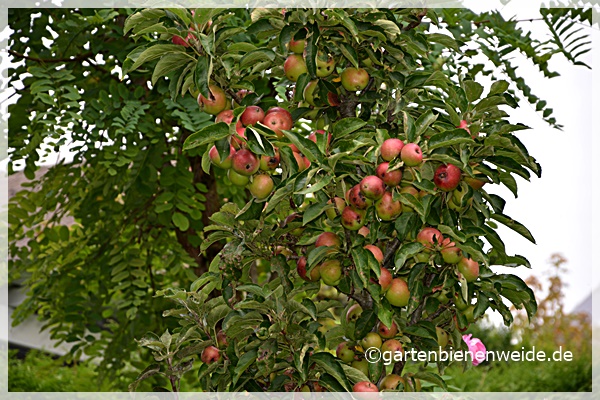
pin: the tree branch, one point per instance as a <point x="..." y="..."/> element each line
<point x="389" y="252"/>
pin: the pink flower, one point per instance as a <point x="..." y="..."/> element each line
<point x="476" y="348"/>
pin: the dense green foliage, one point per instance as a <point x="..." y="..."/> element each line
<point x="147" y="204"/>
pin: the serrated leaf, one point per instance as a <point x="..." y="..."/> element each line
<point x="345" y="126"/>
<point x="244" y="362"/>
<point x="407" y="250"/>
<point x="208" y="134"/>
<point x="332" y="366"/>
<point x="473" y="90"/>
<point x="514" y="225"/>
<point x="449" y="138"/>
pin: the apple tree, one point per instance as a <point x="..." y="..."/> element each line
<point x="302" y="184"/>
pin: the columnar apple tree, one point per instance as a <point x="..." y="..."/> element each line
<point x="164" y="193"/>
<point x="369" y="223"/>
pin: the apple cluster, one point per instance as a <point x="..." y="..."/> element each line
<point x="352" y="79"/>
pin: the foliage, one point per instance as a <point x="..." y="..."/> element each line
<point x="146" y="202"/>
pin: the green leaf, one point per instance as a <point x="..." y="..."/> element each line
<point x="423" y="122"/>
<point x="313" y="211"/>
<point x="407" y="250"/>
<point x="473" y="90"/>
<point x="365" y="323"/>
<point x="350" y="54"/>
<point x="154" y="52"/>
<point x="361" y="261"/>
<point x="498" y="87"/>
<point x="489" y="102"/>
<point x="345" y="126"/>
<point x="433" y="378"/>
<point x="514" y="225"/>
<point x="244" y="362"/>
<point x="256" y="56"/>
<point x="168" y="63"/>
<point x="202" y="76"/>
<point x="353" y="374"/>
<point x="449" y="138"/>
<point x="306" y="147"/>
<point x="330" y="364"/>
<point x="208" y="134"/>
<point x="444" y="40"/>
<point x="180" y="221"/>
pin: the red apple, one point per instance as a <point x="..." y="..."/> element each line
<point x="364" y="386"/>
<point x="386" y="208"/>
<point x="372" y="187"/>
<point x="210" y="355"/>
<point x="261" y="186"/>
<point x="328" y="239"/>
<point x="447" y="177"/>
<point x="429" y="237"/>
<point x="353" y="219"/>
<point x="245" y="162"/>
<point x="294" y="66"/>
<point x="354" y="79"/>
<point x="216" y="103"/>
<point x="252" y="115"/>
<point x="411" y="154"/>
<point x="268" y="163"/>
<point x="387" y="332"/>
<point x="357" y="199"/>
<point x="325" y="65"/>
<point x="376" y="251"/>
<point x="392" y="345"/>
<point x="385" y="279"/>
<point x="278" y="119"/>
<point x="297" y="46"/>
<point x="392" y="178"/>
<point x="225" y="116"/>
<point x="391" y="148"/>
<point x="398" y="293"/>
<point x="216" y="160"/>
<point x="468" y="268"/>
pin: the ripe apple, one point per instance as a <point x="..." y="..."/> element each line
<point x="364" y="231"/>
<point x="315" y="274"/>
<point x="385" y="279"/>
<point x="354" y="313"/>
<point x="450" y="253"/>
<point x="376" y="251"/>
<point x="392" y="178"/>
<point x="447" y="177"/>
<point x="302" y="161"/>
<point x="442" y="337"/>
<point x="237" y="179"/>
<point x="245" y="162"/>
<point x="390" y="382"/>
<point x="475" y="183"/>
<point x="387" y="332"/>
<point x="225" y="116"/>
<point x="354" y="79"/>
<point x="398" y="293"/>
<point x="339" y="206"/>
<point x="178" y="40"/>
<point x="353" y="219"/>
<point x="386" y="208"/>
<point x="278" y="119"/>
<point x="411" y="155"/>
<point x="331" y="272"/>
<point x="313" y="136"/>
<point x="210" y="355"/>
<point x="372" y="339"/>
<point x="221" y="339"/>
<point x="345" y="352"/>
<point x="252" y="115"/>
<point x="328" y="239"/>
<point x="362" y="366"/>
<point x="325" y="65"/>
<point x="464" y="125"/>
<point x="297" y="46"/>
<point x="364" y="386"/>
<point x="372" y="187"/>
<point x="391" y="148"/>
<point x="294" y="66"/>
<point x="357" y="198"/>
<point x="216" y="103"/>
<point x="261" y="186"/>
<point x="468" y="268"/>
<point x="268" y="163"/>
<point x="392" y="345"/>
<point x="216" y="160"/>
<point x="429" y="237"/>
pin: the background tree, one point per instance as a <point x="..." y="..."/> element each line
<point x="141" y="190"/>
